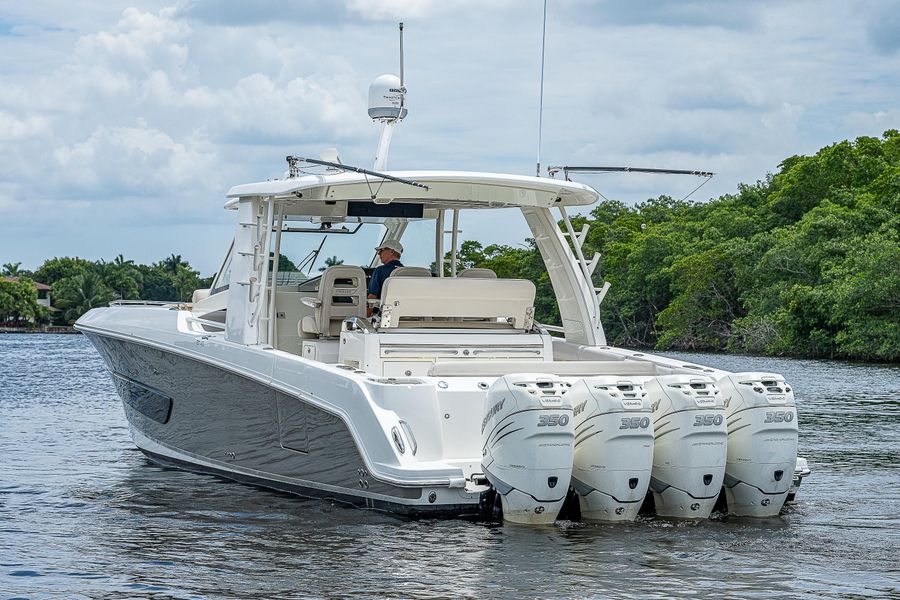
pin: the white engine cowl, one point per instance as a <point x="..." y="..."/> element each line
<point x="689" y="449"/>
<point x="527" y="442"/>
<point x="613" y="447"/>
<point x="762" y="443"/>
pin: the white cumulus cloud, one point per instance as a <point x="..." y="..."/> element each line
<point x="157" y="109"/>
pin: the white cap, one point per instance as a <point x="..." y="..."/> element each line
<point x="394" y="245"/>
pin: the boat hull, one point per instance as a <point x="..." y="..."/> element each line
<point x="189" y="414"/>
<point x="254" y="414"/>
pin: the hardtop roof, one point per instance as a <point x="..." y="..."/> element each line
<point x="457" y="189"/>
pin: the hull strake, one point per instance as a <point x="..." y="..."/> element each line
<point x="310" y="491"/>
<point x="259" y="435"/>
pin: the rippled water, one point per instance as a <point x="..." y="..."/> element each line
<point x="84" y="514"/>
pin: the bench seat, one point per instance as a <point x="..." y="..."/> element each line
<point x="442" y="302"/>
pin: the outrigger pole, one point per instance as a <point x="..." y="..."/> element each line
<point x="552" y="171"/>
<point x="295" y="170"/>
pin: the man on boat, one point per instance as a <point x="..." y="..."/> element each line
<point x="389" y="254"/>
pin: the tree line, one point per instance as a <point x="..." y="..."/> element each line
<point x="80" y="285"/>
<point x="804" y="263"/>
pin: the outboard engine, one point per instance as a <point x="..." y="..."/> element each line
<point x="689" y="450"/>
<point x="613" y="447"/>
<point x="762" y="443"/>
<point x="527" y="445"/>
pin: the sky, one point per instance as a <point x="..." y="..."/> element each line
<point x="123" y="124"/>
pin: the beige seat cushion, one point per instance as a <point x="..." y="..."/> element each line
<point x="410" y="272"/>
<point x="477" y="273"/>
<point x="447" y="302"/>
<point x="342" y="293"/>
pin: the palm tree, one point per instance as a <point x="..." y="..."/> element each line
<point x="185" y="282"/>
<point x="12" y="269"/>
<point x="122" y="276"/>
<point x="80" y="293"/>
<point x="332" y="262"/>
<point x="172" y="263"/>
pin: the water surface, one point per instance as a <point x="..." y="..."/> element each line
<point x="84" y="514"/>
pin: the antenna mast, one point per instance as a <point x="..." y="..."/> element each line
<point x="541" y="103"/>
<point x="387" y="105"/>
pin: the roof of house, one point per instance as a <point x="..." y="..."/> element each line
<point x="39" y="286"/>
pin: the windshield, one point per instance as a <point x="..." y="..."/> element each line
<point x="223" y="277"/>
<point x="306" y="250"/>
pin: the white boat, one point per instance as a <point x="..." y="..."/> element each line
<point x="453" y="400"/>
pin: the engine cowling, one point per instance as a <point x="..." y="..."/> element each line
<point x="689" y="446"/>
<point x="762" y="443"/>
<point x="527" y="442"/>
<point x="613" y="447"/>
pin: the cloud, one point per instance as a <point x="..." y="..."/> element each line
<point x="13" y="128"/>
<point x="873" y="124"/>
<point x="157" y="111"/>
<point x="131" y="107"/>
<point x="257" y="107"/>
<point x="727" y="14"/>
<point x="9" y="204"/>
<point x="25" y="28"/>
<point x="139" y="159"/>
<point x="883" y="27"/>
<point x="142" y="42"/>
<point x="393" y="10"/>
<point x="239" y="13"/>
<point x="715" y="87"/>
<point x="7" y="28"/>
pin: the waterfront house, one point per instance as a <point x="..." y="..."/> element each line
<point x="43" y="291"/>
<point x="43" y="295"/>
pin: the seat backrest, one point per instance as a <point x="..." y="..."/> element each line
<point x="342" y="291"/>
<point x="477" y="273"/>
<point x="451" y="302"/>
<point x="410" y="272"/>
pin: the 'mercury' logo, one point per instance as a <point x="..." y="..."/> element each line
<point x="493" y="411"/>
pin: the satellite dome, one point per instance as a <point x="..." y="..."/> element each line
<point x="387" y="98"/>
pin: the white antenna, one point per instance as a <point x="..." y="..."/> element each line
<point x="387" y="105"/>
<point x="541" y="104"/>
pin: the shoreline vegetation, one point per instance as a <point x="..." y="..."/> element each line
<point x="78" y="285"/>
<point x="805" y="263"/>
